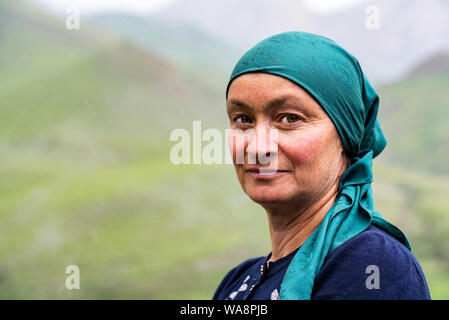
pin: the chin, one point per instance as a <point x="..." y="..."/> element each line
<point x="272" y="195"/>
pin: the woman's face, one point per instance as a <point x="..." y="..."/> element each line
<point x="308" y="149"/>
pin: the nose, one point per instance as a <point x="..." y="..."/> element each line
<point x="262" y="146"/>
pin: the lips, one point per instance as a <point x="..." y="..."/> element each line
<point x="266" y="172"/>
<point x="266" y="169"/>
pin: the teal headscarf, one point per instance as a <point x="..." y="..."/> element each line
<point x="335" y="79"/>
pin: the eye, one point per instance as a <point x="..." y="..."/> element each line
<point x="290" y="118"/>
<point x="241" y="119"/>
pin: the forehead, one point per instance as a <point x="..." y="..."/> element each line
<point x="263" y="89"/>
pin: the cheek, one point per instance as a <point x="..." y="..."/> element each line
<point x="305" y="149"/>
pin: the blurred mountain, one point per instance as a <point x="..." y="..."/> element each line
<point x="89" y="74"/>
<point x="242" y="23"/>
<point x="438" y="64"/>
<point x="409" y="30"/>
<point x="182" y="43"/>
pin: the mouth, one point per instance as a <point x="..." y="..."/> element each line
<point x="266" y="173"/>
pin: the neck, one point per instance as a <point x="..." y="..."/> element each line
<point x="290" y="227"/>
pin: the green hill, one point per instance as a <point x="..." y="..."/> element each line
<point x="414" y="113"/>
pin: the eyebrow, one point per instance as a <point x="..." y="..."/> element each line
<point x="233" y="103"/>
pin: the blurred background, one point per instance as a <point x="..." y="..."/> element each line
<point x="86" y="115"/>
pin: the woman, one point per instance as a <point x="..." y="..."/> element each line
<point x="327" y="240"/>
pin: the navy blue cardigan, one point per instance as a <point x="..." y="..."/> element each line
<point x="371" y="265"/>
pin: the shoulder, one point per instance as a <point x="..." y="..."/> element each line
<point x="373" y="244"/>
<point x="233" y="275"/>
<point x="371" y="265"/>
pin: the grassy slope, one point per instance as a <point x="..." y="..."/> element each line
<point x="414" y="115"/>
<point x="417" y="203"/>
<point x="84" y="164"/>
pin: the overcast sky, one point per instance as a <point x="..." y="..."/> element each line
<point x="147" y="6"/>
